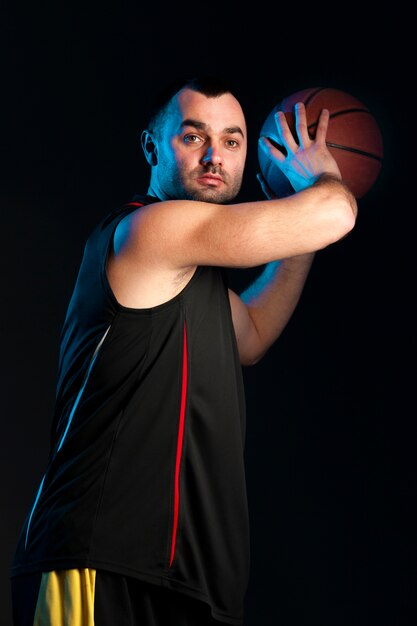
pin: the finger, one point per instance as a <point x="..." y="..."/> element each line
<point x="285" y="133"/>
<point x="301" y="124"/>
<point x="322" y="126"/>
<point x="271" y="151"/>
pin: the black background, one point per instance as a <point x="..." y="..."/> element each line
<point x="331" y="435"/>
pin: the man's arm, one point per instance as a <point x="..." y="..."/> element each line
<point x="263" y="310"/>
<point x="178" y="234"/>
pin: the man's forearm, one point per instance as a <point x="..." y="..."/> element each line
<point x="273" y="296"/>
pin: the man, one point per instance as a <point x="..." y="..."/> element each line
<point x="141" y="517"/>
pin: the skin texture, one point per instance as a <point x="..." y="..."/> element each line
<point x="197" y="158"/>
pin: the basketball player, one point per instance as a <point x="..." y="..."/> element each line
<point x="141" y="517"/>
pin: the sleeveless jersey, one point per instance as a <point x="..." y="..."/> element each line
<point x="146" y="474"/>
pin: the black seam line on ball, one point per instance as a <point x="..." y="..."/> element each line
<point x="353" y="110"/>
<point x="356" y="150"/>
<point x="313" y="94"/>
<point x="344" y="112"/>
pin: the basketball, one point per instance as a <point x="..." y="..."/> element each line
<point x="353" y="137"/>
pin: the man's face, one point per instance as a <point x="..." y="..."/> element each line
<point x="201" y="148"/>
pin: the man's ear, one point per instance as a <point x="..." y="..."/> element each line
<point x="149" y="147"/>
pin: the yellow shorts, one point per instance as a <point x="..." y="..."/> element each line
<point x="89" y="597"/>
<point x="66" y="597"/>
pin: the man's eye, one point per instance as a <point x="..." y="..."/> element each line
<point x="232" y="143"/>
<point x="192" y="139"/>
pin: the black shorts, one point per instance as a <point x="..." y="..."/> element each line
<point x="114" y="600"/>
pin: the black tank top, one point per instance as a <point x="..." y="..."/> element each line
<point x="146" y="471"/>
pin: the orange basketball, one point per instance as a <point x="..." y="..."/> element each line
<point x="353" y="138"/>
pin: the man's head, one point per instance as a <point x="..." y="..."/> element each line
<point x="196" y="142"/>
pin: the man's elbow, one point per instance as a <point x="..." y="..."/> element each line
<point x="343" y="213"/>
<point x="248" y="360"/>
<point x="349" y="205"/>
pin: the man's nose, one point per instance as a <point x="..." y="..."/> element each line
<point x="212" y="156"/>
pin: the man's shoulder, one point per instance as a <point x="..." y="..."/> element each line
<point x="124" y="209"/>
<point x="141" y="200"/>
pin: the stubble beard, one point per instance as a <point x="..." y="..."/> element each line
<point x="192" y="190"/>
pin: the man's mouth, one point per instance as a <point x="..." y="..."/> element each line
<point x="211" y="179"/>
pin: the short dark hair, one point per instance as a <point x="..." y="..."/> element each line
<point x="210" y="86"/>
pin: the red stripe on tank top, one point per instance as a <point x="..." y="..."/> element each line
<point x="180" y="439"/>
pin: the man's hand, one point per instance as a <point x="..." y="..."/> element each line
<point x="306" y="160"/>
